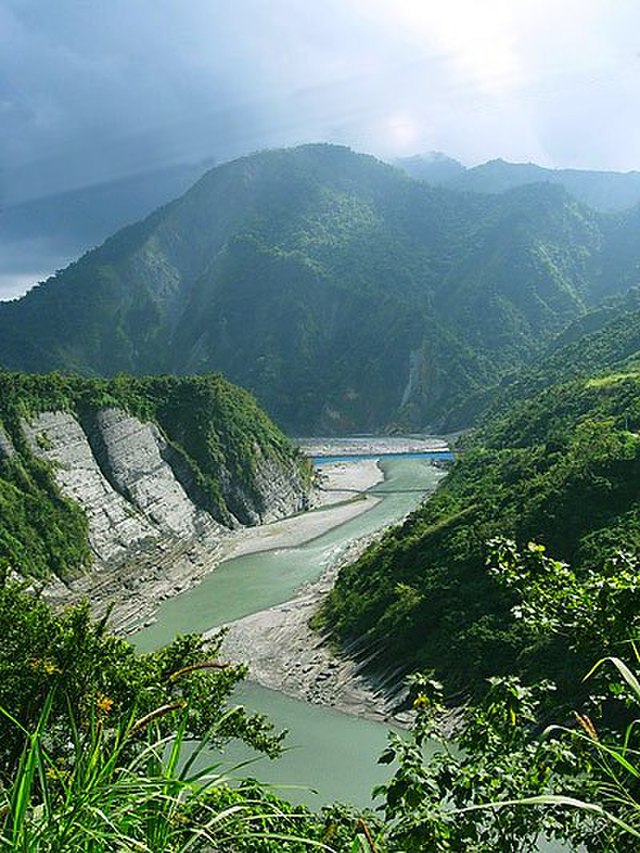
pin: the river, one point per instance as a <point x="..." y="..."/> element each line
<point x="328" y="751"/>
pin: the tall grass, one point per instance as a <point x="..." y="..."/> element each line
<point x="113" y="791"/>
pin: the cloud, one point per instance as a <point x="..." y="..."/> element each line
<point x="96" y="90"/>
<point x="93" y="91"/>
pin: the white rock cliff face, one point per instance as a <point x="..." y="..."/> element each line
<point x="131" y="452"/>
<point x="129" y="482"/>
<point x="116" y="526"/>
<point x="6" y="447"/>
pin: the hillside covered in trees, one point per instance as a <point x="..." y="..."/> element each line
<point x="345" y="295"/>
<point x="559" y="469"/>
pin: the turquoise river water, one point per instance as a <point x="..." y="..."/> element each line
<point x="331" y="755"/>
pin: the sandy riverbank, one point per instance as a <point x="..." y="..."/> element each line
<point x="332" y="505"/>
<point x="135" y="590"/>
<point x="363" y="445"/>
<point x="285" y="654"/>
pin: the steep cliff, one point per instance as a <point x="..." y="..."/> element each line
<point x="113" y="470"/>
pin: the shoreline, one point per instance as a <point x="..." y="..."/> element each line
<point x="280" y="649"/>
<point x="284" y="654"/>
<point x="135" y="590"/>
<point x="370" y="445"/>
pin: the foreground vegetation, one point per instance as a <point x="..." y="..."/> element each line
<point x="104" y="749"/>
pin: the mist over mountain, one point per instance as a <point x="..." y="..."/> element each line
<point x="40" y="235"/>
<point x="345" y="295"/>
<point x="605" y="191"/>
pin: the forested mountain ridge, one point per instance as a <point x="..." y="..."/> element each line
<point x="94" y="470"/>
<point x="560" y="469"/>
<point x="605" y="339"/>
<point x="344" y="294"/>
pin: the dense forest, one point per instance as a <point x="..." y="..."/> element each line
<point x="345" y="295"/>
<point x="559" y="469"/>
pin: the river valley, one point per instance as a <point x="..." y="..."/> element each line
<point x="330" y="751"/>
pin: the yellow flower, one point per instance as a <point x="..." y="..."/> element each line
<point x="104" y="703"/>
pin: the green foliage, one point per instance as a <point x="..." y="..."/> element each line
<point x="40" y="530"/>
<point x="505" y="782"/>
<point x="84" y="668"/>
<point x="584" y="611"/>
<point x="443" y="803"/>
<point x="562" y="469"/>
<point x="218" y="437"/>
<point x="105" y="749"/>
<point x="605" y="339"/>
<point x="110" y="791"/>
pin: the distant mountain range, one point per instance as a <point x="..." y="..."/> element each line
<point x="344" y="294"/>
<point x="605" y="191"/>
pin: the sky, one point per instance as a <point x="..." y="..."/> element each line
<point x="91" y="91"/>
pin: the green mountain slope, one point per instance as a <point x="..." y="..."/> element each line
<point x="217" y="441"/>
<point x="606" y="339"/>
<point x="561" y="469"/>
<point x="343" y="294"/>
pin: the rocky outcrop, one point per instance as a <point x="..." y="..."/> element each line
<point x="117" y="527"/>
<point x="133" y="486"/>
<point x="6" y="447"/>
<point x="277" y="491"/>
<point x="138" y="491"/>
<point x="132" y="456"/>
<point x="282" y="488"/>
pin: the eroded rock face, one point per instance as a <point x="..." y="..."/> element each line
<point x="130" y="453"/>
<point x="6" y="447"/>
<point x="116" y="526"/>
<point x="113" y="467"/>
<point x="136" y="490"/>
<point x="283" y="491"/>
<point x="278" y="492"/>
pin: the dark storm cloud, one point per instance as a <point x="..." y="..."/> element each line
<point x="94" y="90"/>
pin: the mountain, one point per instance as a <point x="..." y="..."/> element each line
<point x="434" y="168"/>
<point x="604" y="340"/>
<point x="98" y="472"/>
<point x="343" y="294"/>
<point x="559" y="469"/>
<point x="604" y="191"/>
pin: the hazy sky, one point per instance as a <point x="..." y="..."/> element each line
<point x="96" y="89"/>
<point x="93" y="90"/>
